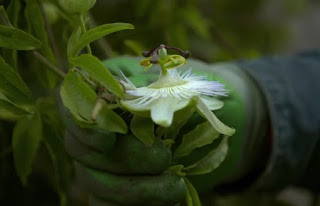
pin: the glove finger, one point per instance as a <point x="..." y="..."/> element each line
<point x="129" y="155"/>
<point x="160" y="190"/>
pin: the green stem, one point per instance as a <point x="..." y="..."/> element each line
<point x="84" y="30"/>
<point x="163" y="70"/>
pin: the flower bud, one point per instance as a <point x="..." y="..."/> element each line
<point x="77" y="6"/>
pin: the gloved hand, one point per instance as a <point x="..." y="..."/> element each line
<point x="121" y="170"/>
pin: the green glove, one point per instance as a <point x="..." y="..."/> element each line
<point x="117" y="169"/>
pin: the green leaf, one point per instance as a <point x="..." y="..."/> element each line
<point x="73" y="40"/>
<point x="37" y="28"/>
<point x="99" y="72"/>
<point x="202" y="135"/>
<point x="78" y="97"/>
<point x="143" y="129"/>
<point x="4" y="17"/>
<point x="177" y="169"/>
<point x="13" y="11"/>
<point x="60" y="161"/>
<point x="192" y="197"/>
<point x="26" y="138"/>
<point x="96" y="33"/>
<point x="211" y="161"/>
<point x="179" y="119"/>
<point x="108" y="120"/>
<point x="205" y="111"/>
<point x="12" y="86"/>
<point x="9" y="110"/>
<point x="17" y="39"/>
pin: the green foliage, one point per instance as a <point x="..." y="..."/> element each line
<point x="94" y="34"/>
<point x="211" y="161"/>
<point x="143" y="129"/>
<point x="77" y="6"/>
<point x="202" y="135"/>
<point x="78" y="97"/>
<point x="109" y="120"/>
<point x="16" y="39"/>
<point x="12" y="86"/>
<point x="37" y="28"/>
<point x="98" y="72"/>
<point x="26" y="138"/>
<point x="192" y="198"/>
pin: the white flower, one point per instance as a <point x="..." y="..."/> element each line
<point x="171" y="92"/>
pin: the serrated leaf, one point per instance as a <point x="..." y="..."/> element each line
<point x="26" y="138"/>
<point x="192" y="197"/>
<point x="143" y="129"/>
<point x="211" y="161"/>
<point x="202" y="135"/>
<point x="99" y="72"/>
<point x="205" y="111"/>
<point x="78" y="97"/>
<point x="96" y="33"/>
<point x="12" y="86"/>
<point x="37" y="28"/>
<point x="12" y="38"/>
<point x="108" y="120"/>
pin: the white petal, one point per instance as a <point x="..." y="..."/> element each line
<point x="162" y="110"/>
<point x="212" y="103"/>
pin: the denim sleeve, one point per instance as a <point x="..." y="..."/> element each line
<point x="291" y="87"/>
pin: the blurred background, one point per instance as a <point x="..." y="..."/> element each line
<point x="213" y="30"/>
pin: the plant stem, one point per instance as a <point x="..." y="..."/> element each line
<point x="49" y="64"/>
<point x="51" y="37"/>
<point x="84" y="30"/>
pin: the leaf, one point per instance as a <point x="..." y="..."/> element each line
<point x="179" y="119"/>
<point x="99" y="72"/>
<point x="37" y="28"/>
<point x="60" y="161"/>
<point x="204" y="110"/>
<point x="17" y="39"/>
<point x="96" y="33"/>
<point x="72" y="40"/>
<point x="12" y="86"/>
<point x="78" y="97"/>
<point x="143" y="129"/>
<point x="4" y="17"/>
<point x="13" y="11"/>
<point x="177" y="169"/>
<point x="192" y="197"/>
<point x="108" y="120"/>
<point x="9" y="110"/>
<point x="26" y="138"/>
<point x="202" y="135"/>
<point x="211" y="161"/>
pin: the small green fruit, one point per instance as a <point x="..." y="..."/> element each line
<point x="77" y="6"/>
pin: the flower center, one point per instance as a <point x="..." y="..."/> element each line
<point x="167" y="81"/>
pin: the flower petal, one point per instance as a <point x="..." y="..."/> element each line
<point x="212" y="103"/>
<point x="162" y="109"/>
